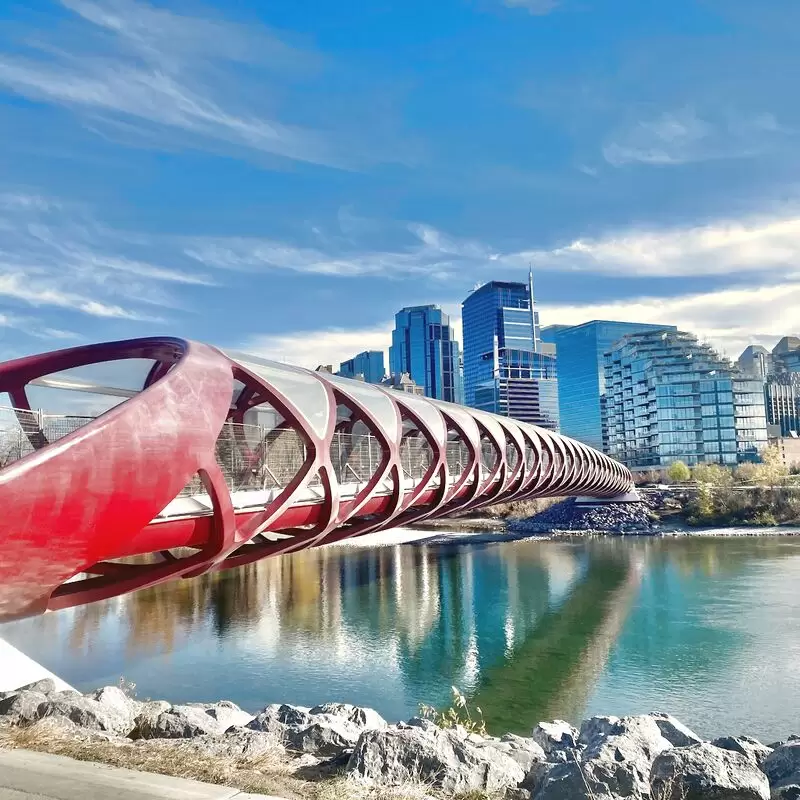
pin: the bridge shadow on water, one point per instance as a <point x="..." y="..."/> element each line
<point x="550" y="674"/>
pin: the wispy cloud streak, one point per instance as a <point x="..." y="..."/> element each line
<point x="768" y="244"/>
<point x="683" y="136"/>
<point x="57" y="255"/>
<point x="155" y="72"/>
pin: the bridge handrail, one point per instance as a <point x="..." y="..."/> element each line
<point x="279" y="453"/>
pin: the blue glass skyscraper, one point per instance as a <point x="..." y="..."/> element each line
<point x="580" y="350"/>
<point x="369" y="364"/>
<point x="423" y="345"/>
<point x="505" y="370"/>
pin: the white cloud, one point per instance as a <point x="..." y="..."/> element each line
<point x="325" y="346"/>
<point x="683" y="136"/>
<point x="729" y="319"/>
<point x="129" y="63"/>
<point x="764" y="245"/>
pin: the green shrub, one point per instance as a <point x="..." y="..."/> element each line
<point x="678" y="472"/>
<point x="458" y="714"/>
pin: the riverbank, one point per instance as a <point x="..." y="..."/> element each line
<point x="661" y="513"/>
<point x="336" y="751"/>
<point x="450" y="533"/>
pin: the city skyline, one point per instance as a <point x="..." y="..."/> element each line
<point x="262" y="175"/>
<point x="456" y="324"/>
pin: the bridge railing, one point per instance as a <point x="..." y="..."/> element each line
<point x="23" y="432"/>
<point x="252" y="457"/>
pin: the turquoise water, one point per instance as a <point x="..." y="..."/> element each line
<point x="708" y="629"/>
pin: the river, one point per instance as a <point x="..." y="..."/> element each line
<point x="705" y="628"/>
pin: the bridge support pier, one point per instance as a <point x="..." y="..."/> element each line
<point x="631" y="496"/>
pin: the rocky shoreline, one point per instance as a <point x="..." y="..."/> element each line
<point x="647" y="757"/>
<point x="569" y="516"/>
<point x="654" y="516"/>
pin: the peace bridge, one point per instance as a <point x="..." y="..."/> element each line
<point x="171" y="458"/>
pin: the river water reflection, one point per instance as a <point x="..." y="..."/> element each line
<point x="708" y="629"/>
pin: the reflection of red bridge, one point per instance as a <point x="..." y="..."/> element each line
<point x="227" y="459"/>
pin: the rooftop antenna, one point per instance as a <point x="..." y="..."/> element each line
<point x="534" y="330"/>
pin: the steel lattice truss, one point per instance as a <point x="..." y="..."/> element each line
<point x="100" y="508"/>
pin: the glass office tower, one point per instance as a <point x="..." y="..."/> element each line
<point x="505" y="370"/>
<point x="580" y="350"/>
<point x="369" y="364"/>
<point x="782" y="397"/>
<point x="670" y="398"/>
<point x="423" y="345"/>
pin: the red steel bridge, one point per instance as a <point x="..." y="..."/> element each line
<point x="207" y="460"/>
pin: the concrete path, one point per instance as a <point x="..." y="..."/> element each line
<point x="25" y="775"/>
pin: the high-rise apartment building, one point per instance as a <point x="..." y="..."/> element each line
<point x="756" y="360"/>
<point x="369" y="364"/>
<point x="424" y="346"/>
<point x="580" y="354"/>
<point x="669" y="397"/>
<point x="505" y="370"/>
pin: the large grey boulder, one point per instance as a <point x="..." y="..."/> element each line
<point x="705" y="772"/>
<point x="146" y="714"/>
<point x="419" y="722"/>
<point x="187" y="721"/>
<point x="558" y="739"/>
<point x="116" y="701"/>
<point x="675" y="732"/>
<point x="109" y="715"/>
<point x="362" y="717"/>
<point x="227" y="714"/>
<point x="43" y="685"/>
<point x="326" y="737"/>
<point x="526" y="752"/>
<point x="327" y="731"/>
<point x="277" y="718"/>
<point x="563" y="780"/>
<point x="615" y="760"/>
<point x="239" y="744"/>
<point x="747" y="746"/>
<point x="782" y="767"/>
<point x="444" y="759"/>
<point x="22" y="707"/>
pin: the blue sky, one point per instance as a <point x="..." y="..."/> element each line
<point x="283" y="176"/>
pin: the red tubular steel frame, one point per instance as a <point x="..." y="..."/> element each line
<point x="75" y="508"/>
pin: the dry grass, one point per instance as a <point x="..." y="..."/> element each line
<point x="520" y="509"/>
<point x="346" y="789"/>
<point x="272" y="773"/>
